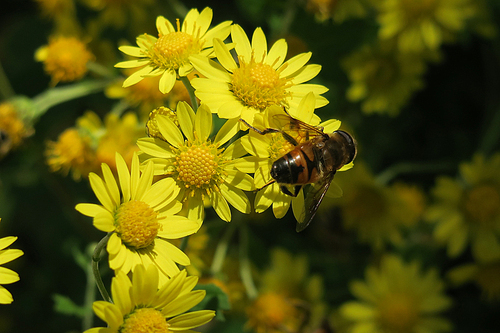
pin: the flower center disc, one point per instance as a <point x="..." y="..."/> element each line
<point x="147" y="320"/>
<point x="136" y="224"/>
<point x="482" y="203"/>
<point x="258" y="85"/>
<point x="398" y="313"/>
<point x="197" y="166"/>
<point x="174" y="49"/>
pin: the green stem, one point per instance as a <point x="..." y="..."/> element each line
<point x="221" y="249"/>
<point x="491" y="135"/>
<point x="95" y="268"/>
<point x="100" y="70"/>
<point x="184" y="243"/>
<point x="190" y="89"/>
<point x="58" y="95"/>
<point x="6" y="90"/>
<point x="88" y="300"/>
<point x="245" y="268"/>
<point x="386" y="176"/>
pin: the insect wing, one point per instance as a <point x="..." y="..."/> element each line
<point x="313" y="198"/>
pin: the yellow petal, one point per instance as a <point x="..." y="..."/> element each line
<point x="185" y="120"/>
<point x="220" y="206"/>
<point x="203" y="122"/>
<point x="259" y="45"/>
<point x="225" y="58"/>
<point x="236" y="197"/>
<point x="243" y="47"/>
<point x="167" y="81"/>
<point x="170" y="131"/>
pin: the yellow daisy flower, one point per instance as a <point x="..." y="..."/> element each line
<point x="484" y="275"/>
<point x="467" y="211"/>
<point x="398" y="297"/>
<point x="422" y="25"/>
<point x="13" y="128"/>
<point x="383" y="79"/>
<point x="7" y="276"/>
<point x="286" y="292"/>
<point x="141" y="218"/>
<point x="142" y="304"/>
<point x="260" y="78"/>
<point x="266" y="149"/>
<point x="200" y="166"/>
<point x="168" y="55"/>
<point x="64" y="58"/>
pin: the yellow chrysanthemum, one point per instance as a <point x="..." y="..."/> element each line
<point x="140" y="216"/>
<point x="13" y="129"/>
<point x="289" y="299"/>
<point x="339" y="10"/>
<point x="375" y="212"/>
<point x="383" y="79"/>
<point x="398" y="297"/>
<point x="266" y="149"/>
<point x="168" y="55"/>
<point x="484" y="275"/>
<point x="65" y="58"/>
<point x="259" y="79"/>
<point x="467" y="211"/>
<point x="422" y="25"/>
<point x="7" y="276"/>
<point x="200" y="166"/>
<point x="142" y="304"/>
<point x="72" y="151"/>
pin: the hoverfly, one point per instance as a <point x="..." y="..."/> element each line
<point x="313" y="161"/>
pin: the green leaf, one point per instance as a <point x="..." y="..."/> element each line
<point x="215" y="299"/>
<point x="64" y="305"/>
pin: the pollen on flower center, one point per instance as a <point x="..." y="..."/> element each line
<point x="172" y="50"/>
<point x="145" y="320"/>
<point x="482" y="203"/>
<point x="136" y="224"/>
<point x="198" y="166"/>
<point x="398" y="313"/>
<point x="258" y="85"/>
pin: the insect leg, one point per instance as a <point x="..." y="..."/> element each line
<point x="262" y="132"/>
<point x="296" y="190"/>
<point x="269" y="183"/>
<point x="286" y="136"/>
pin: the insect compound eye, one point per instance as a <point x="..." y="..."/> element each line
<point x="351" y="144"/>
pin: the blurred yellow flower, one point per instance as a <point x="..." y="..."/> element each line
<point x="398" y="297"/>
<point x="467" y="210"/>
<point x="168" y="55"/>
<point x="382" y="79"/>
<point x="13" y="128"/>
<point x="7" y="276"/>
<point x="258" y="79"/>
<point x="375" y="212"/>
<point x="141" y="304"/>
<point x="338" y="10"/>
<point x="81" y="149"/>
<point x="64" y="58"/>
<point x="119" y="135"/>
<point x="289" y="299"/>
<point x="72" y="151"/>
<point x="141" y="218"/>
<point x="484" y="275"/>
<point x="420" y="26"/>
<point x="200" y="166"/>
